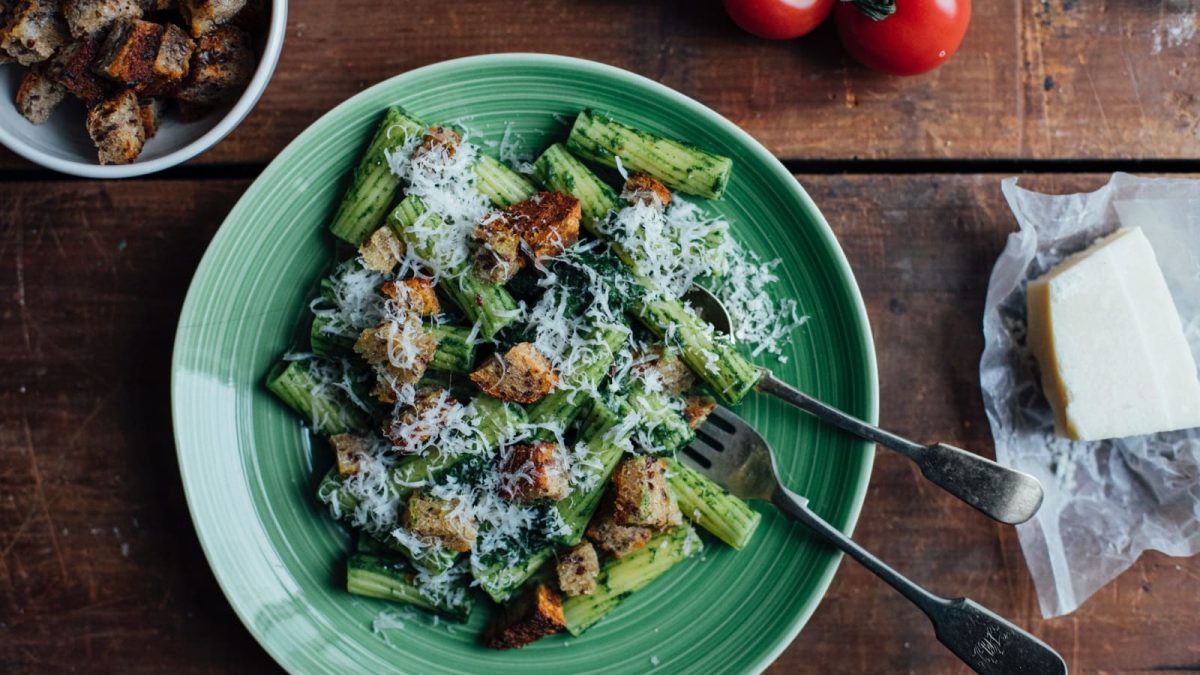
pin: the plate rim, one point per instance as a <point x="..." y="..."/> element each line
<point x="858" y="307"/>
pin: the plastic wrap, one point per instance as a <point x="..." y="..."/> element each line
<point x="1106" y="501"/>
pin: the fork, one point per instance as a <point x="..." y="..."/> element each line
<point x="730" y="452"/>
<point x="1001" y="493"/>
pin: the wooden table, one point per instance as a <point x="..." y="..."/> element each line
<point x="100" y="569"/>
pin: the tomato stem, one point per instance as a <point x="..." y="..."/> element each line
<point x="875" y="10"/>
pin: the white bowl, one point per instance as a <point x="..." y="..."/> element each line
<point x="62" y="143"/>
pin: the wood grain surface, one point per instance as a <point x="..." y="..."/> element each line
<point x="100" y="569"/>
<point x="1046" y="79"/>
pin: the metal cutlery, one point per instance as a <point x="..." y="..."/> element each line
<point x="730" y="452"/>
<point x="1005" y="494"/>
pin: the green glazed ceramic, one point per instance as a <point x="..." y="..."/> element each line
<point x="248" y="468"/>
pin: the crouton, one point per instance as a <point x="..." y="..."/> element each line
<point x="151" y="111"/>
<point x="696" y="409"/>
<point x="497" y="256"/>
<point x="436" y="519"/>
<point x="348" y="450"/>
<point x="86" y="18"/>
<point x="382" y="250"/>
<point x="664" y="370"/>
<point x="523" y="375"/>
<point x="534" y="615"/>
<point x="641" y="497"/>
<point x="172" y="61"/>
<point x="255" y="17"/>
<point x="38" y="96"/>
<point x="5" y="10"/>
<point x="416" y="295"/>
<point x="642" y="188"/>
<point x="547" y="222"/>
<point x="425" y="418"/>
<point x="127" y="55"/>
<point x="534" y="471"/>
<point x="614" y="538"/>
<point x="577" y="570"/>
<point x="221" y="65"/>
<point x="115" y="126"/>
<point x="72" y="68"/>
<point x="439" y="137"/>
<point x="202" y="16"/>
<point x="35" y="30"/>
<point x="400" y="353"/>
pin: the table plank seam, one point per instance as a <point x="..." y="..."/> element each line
<point x="822" y="167"/>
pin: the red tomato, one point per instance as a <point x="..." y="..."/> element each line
<point x="778" y="19"/>
<point x="919" y="37"/>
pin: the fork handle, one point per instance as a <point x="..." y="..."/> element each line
<point x="1001" y="493"/>
<point x="984" y="640"/>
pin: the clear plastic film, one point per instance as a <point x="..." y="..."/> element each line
<point x="1106" y="501"/>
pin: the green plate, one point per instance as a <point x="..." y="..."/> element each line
<point x="248" y="469"/>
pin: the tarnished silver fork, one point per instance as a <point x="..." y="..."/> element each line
<point x="733" y="454"/>
<point x="1000" y="492"/>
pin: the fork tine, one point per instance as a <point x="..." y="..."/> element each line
<point x="728" y="420"/>
<point x="704" y="447"/>
<point x="715" y="435"/>
<point x="689" y="460"/>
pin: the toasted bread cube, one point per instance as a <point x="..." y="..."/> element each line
<point x="577" y="570"/>
<point x="434" y="518"/>
<point x="641" y="496"/>
<point x="532" y="616"/>
<point x="614" y="538"/>
<point x="523" y="375"/>
<point x="696" y="409"/>
<point x="172" y="61"/>
<point x="664" y="370"/>
<point x="202" y="16"/>
<point x="127" y="55"/>
<point x="348" y="451"/>
<point x="86" y="18"/>
<point x="376" y="345"/>
<point x="497" y="256"/>
<point x="190" y="112"/>
<point x="151" y="111"/>
<point x="382" y="250"/>
<point x="548" y="222"/>
<point x="439" y="137"/>
<point x="534" y="471"/>
<point x="642" y="188"/>
<point x="425" y="418"/>
<point x="255" y="17"/>
<point x="5" y="10"/>
<point x="400" y="353"/>
<point x="38" y="96"/>
<point x="383" y="391"/>
<point x="34" y="32"/>
<point x="415" y="295"/>
<point x="221" y="65"/>
<point x="115" y="126"/>
<point x="72" y="68"/>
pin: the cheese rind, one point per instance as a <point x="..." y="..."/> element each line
<point x="1110" y="344"/>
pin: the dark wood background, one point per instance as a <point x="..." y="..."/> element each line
<point x="100" y="569"/>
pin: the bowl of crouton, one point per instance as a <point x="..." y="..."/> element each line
<point x="120" y="88"/>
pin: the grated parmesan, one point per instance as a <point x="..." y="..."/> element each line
<point x="758" y="320"/>
<point x="669" y="248"/>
